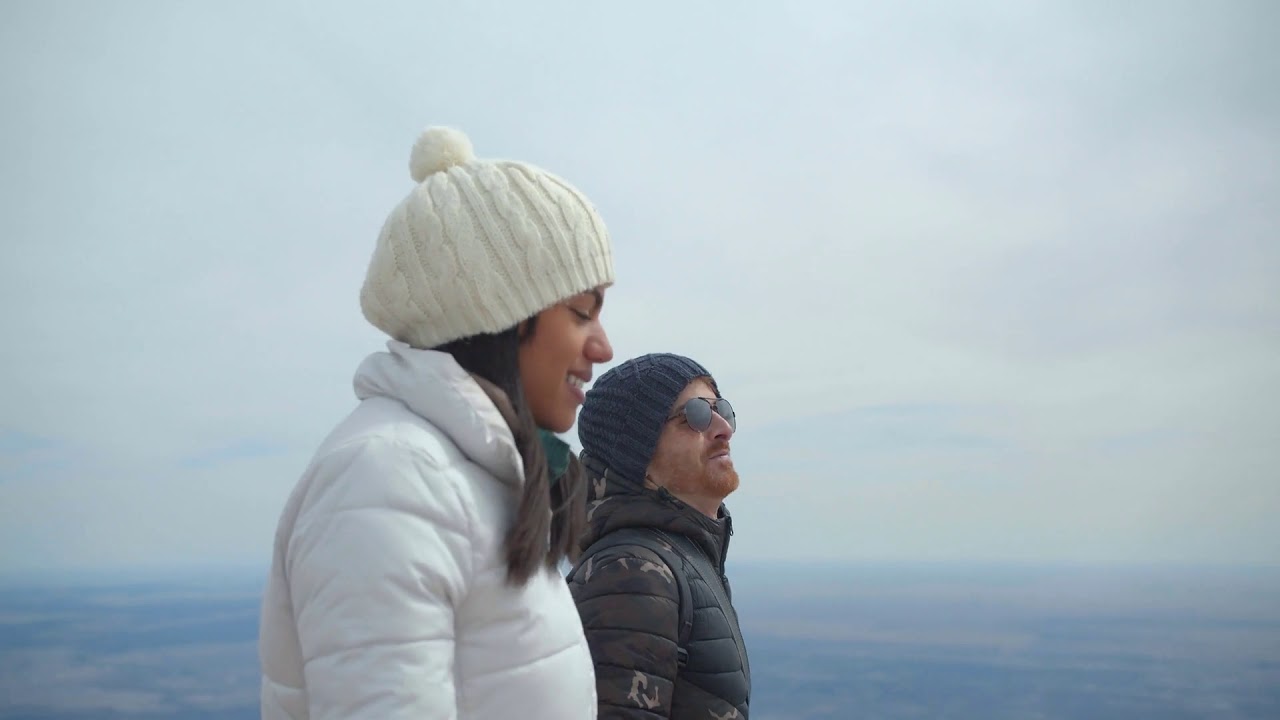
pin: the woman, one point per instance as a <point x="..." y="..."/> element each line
<point x="415" y="568"/>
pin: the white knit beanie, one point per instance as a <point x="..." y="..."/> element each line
<point x="479" y="245"/>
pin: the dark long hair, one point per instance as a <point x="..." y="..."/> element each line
<point x="551" y="516"/>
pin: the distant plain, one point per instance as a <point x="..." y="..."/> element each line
<point x="826" y="642"/>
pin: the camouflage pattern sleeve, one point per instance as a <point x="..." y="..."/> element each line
<point x="630" y="608"/>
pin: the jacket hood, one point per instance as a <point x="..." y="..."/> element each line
<point x="614" y="503"/>
<point x="432" y="385"/>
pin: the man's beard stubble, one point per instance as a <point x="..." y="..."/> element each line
<point x="720" y="483"/>
<point x="708" y="481"/>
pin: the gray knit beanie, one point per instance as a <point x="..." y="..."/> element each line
<point x="626" y="408"/>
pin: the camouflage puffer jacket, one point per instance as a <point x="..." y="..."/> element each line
<point x="630" y="605"/>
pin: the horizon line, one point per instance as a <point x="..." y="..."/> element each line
<point x="241" y="573"/>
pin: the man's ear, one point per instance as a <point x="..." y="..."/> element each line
<point x="649" y="482"/>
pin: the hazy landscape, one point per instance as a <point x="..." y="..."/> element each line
<point x="826" y="642"/>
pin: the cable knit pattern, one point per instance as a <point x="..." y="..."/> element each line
<point x="479" y="245"/>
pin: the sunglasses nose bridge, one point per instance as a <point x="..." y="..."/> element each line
<point x="700" y="414"/>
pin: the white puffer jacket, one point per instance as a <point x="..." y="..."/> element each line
<point x="388" y="596"/>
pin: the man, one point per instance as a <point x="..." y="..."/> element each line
<point x="650" y="585"/>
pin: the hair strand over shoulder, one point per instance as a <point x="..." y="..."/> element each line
<point x="551" y="515"/>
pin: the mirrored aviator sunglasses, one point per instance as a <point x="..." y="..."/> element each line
<point x="697" y="412"/>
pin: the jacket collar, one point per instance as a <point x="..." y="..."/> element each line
<point x="614" y="502"/>
<point x="432" y="385"/>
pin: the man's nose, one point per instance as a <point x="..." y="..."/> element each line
<point x="720" y="428"/>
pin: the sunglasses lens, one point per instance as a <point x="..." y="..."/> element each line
<point x="725" y="410"/>
<point x="697" y="412"/>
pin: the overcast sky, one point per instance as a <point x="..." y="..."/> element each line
<point x="994" y="282"/>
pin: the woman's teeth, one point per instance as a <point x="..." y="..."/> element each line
<point x="576" y="381"/>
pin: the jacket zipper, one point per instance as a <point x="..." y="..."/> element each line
<point x="675" y="502"/>
<point x="724" y="545"/>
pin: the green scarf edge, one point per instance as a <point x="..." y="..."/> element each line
<point x="557" y="452"/>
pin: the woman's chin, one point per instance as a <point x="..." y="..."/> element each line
<point x="558" y="422"/>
